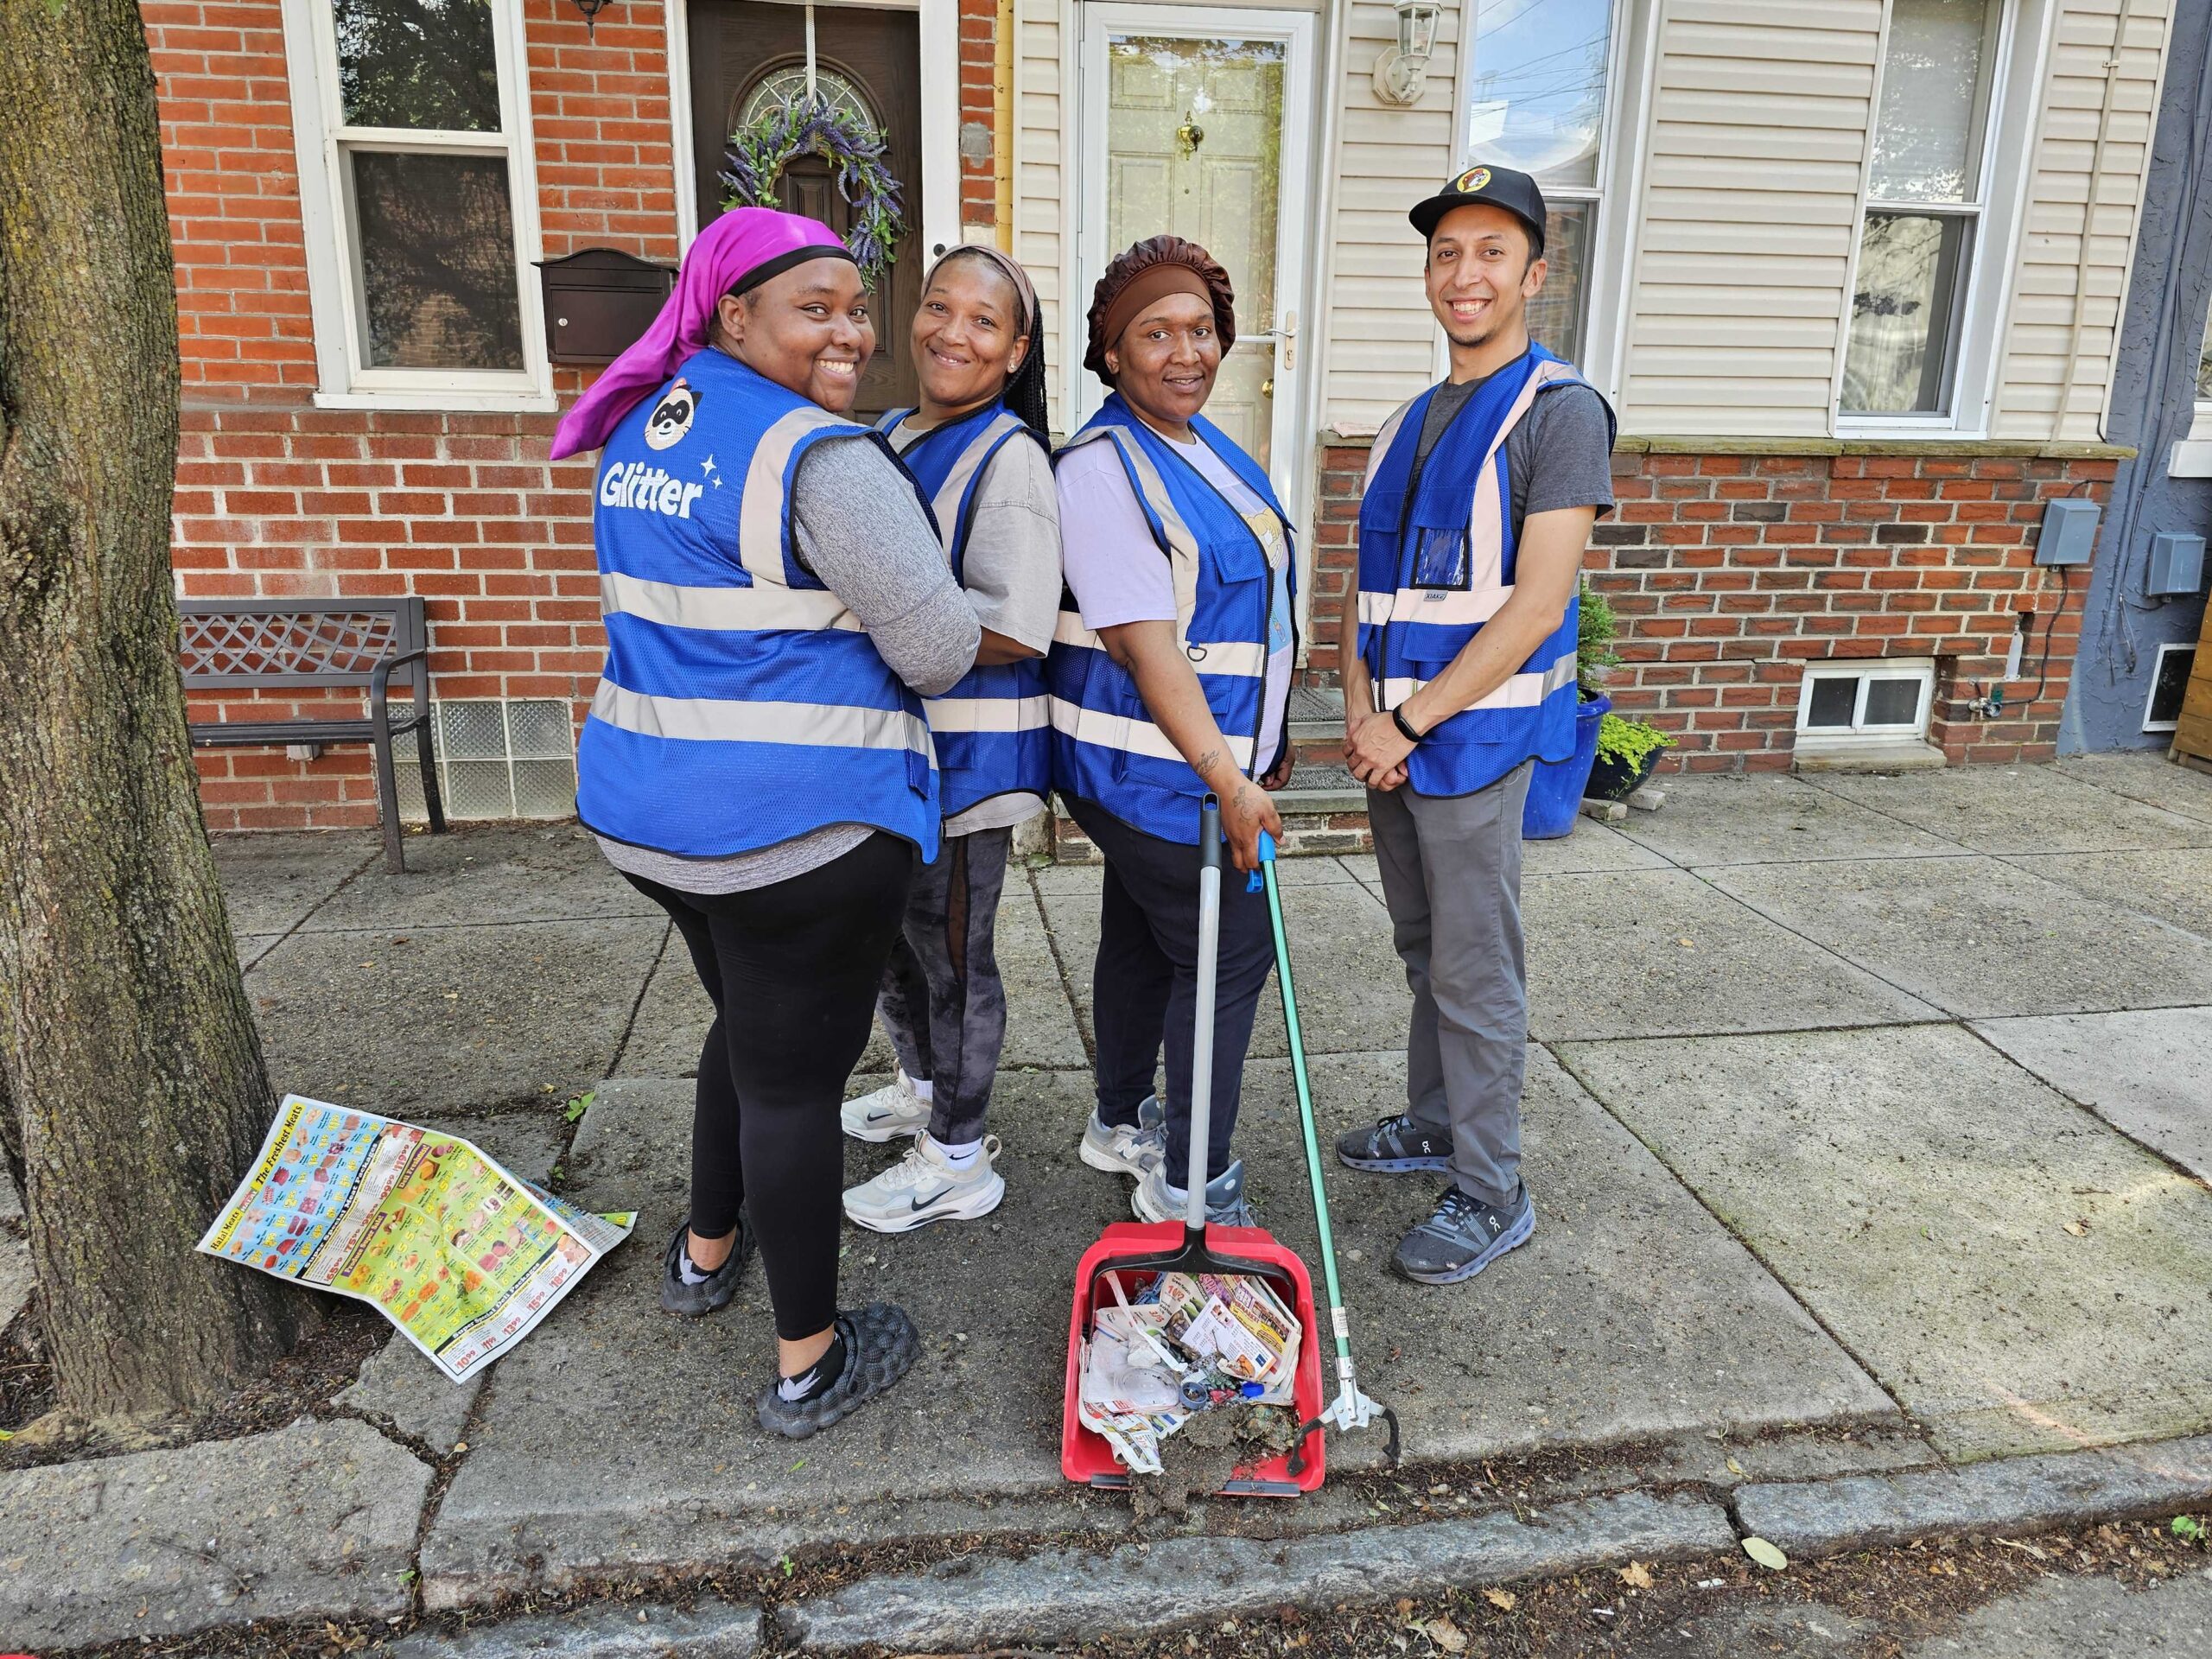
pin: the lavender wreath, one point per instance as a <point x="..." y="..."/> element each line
<point x="759" y="153"/>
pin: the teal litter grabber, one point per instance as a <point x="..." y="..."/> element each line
<point x="1350" y="1409"/>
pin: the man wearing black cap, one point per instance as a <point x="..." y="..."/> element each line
<point x="1458" y="670"/>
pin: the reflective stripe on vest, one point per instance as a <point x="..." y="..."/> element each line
<point x="1426" y="586"/>
<point x="742" y="703"/>
<point x="1106" y="747"/>
<point x="991" y="726"/>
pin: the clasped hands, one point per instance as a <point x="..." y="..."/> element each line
<point x="1376" y="750"/>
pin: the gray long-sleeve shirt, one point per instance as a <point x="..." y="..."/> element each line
<point x="861" y="530"/>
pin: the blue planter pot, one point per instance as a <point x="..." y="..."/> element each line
<point x="1556" y="786"/>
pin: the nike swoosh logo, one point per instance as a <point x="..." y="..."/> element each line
<point x="929" y="1198"/>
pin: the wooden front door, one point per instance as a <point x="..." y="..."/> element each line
<point x="873" y="56"/>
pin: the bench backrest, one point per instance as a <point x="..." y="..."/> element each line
<point x="274" y="642"/>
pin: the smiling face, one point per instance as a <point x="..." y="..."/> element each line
<point x="1480" y="277"/>
<point x="1164" y="363"/>
<point x="965" y="344"/>
<point x="807" y="329"/>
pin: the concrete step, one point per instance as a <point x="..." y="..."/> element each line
<point x="1324" y="811"/>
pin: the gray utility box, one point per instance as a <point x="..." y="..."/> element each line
<point x="2069" y="531"/>
<point x="2176" y="565"/>
<point x="598" y="300"/>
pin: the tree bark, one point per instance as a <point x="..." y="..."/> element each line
<point x="129" y="1070"/>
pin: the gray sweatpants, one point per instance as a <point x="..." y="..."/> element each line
<point x="1451" y="879"/>
<point x="942" y="1001"/>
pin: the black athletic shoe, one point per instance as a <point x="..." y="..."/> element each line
<point x="1396" y="1146"/>
<point x="880" y="1345"/>
<point x="1463" y="1236"/>
<point x="696" y="1302"/>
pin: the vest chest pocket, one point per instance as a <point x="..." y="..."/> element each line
<point x="1440" y="558"/>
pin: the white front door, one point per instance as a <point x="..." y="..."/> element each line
<point x="1194" y="123"/>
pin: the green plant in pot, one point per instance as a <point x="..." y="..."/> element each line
<point x="1628" y="753"/>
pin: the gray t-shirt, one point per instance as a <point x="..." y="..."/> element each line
<point x="1012" y="573"/>
<point x="861" y="530"/>
<point x="1559" y="455"/>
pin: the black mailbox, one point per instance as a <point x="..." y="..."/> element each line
<point x="598" y="301"/>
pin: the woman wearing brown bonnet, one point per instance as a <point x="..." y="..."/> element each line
<point x="1170" y="680"/>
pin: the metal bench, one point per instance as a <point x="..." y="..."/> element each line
<point x="293" y="645"/>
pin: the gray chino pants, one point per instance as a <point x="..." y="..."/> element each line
<point x="1451" y="879"/>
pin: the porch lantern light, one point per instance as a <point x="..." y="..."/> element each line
<point x="591" y="8"/>
<point x="1402" y="72"/>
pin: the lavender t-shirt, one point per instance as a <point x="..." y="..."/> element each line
<point x="1118" y="574"/>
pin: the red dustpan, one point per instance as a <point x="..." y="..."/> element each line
<point x="1135" y="1253"/>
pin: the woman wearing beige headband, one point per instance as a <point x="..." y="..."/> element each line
<point x="978" y="447"/>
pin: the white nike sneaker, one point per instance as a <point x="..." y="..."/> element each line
<point x="923" y="1187"/>
<point x="1127" y="1148"/>
<point x="891" y="1111"/>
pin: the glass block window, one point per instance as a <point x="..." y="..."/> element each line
<point x="496" y="758"/>
<point x="1880" y="701"/>
<point x="1924" y="206"/>
<point x="418" y="264"/>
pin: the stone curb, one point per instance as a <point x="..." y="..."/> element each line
<point x="717" y="1632"/>
<point x="2011" y="1495"/>
<point x="1063" y="1596"/>
<point x="315" y="1519"/>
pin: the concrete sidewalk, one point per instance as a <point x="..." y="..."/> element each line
<point x="1869" y="1126"/>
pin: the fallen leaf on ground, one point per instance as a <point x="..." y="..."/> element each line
<point x="2077" y="1229"/>
<point x="1501" y="1599"/>
<point x="1636" y="1575"/>
<point x="1446" y="1635"/>
<point x="2025" y="1549"/>
<point x="1765" y="1555"/>
<point x="1734" y="1467"/>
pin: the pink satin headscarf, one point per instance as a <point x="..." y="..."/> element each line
<point x="742" y="242"/>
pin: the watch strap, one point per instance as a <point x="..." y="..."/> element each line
<point x="1398" y="718"/>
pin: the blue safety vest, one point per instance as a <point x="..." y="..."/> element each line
<point x="742" y="703"/>
<point x="1436" y="563"/>
<point x="1106" y="749"/>
<point x="992" y="729"/>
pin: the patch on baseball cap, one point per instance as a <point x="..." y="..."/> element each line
<point x="1496" y="186"/>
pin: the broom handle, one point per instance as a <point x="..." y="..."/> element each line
<point x="1194" y="1210"/>
<point x="1306" y="1109"/>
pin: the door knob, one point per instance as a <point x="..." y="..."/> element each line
<point x="1190" y="135"/>
<point x="1268" y="387"/>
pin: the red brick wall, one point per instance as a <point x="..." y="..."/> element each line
<point x="1731" y="573"/>
<point x="275" y="497"/>
<point x="979" y="200"/>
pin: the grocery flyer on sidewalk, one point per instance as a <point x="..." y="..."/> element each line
<point x="463" y="1256"/>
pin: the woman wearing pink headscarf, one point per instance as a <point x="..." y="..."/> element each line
<point x="756" y="760"/>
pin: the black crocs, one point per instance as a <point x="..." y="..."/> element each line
<point x="714" y="1292"/>
<point x="880" y="1345"/>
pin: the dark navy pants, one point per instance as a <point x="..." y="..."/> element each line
<point x="1145" y="989"/>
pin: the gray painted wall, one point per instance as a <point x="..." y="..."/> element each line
<point x="2154" y="396"/>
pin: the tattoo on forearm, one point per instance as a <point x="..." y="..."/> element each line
<point x="1206" y="762"/>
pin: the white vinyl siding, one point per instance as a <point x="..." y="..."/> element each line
<point x="1382" y="338"/>
<point x="2050" y="327"/>
<point x="1044" y="135"/>
<point x="1755" y="153"/>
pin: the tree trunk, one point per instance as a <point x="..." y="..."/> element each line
<point x="129" y="1070"/>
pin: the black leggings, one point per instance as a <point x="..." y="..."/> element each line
<point x="792" y="971"/>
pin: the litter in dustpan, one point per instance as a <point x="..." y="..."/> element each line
<point x="1212" y="1307"/>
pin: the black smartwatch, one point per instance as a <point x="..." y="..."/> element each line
<point x="1398" y="718"/>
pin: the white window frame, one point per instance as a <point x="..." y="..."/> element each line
<point x="2192" y="455"/>
<point x="2158" y="671"/>
<point x="1629" y="60"/>
<point x="322" y="137"/>
<point x="2013" y="102"/>
<point x="1865" y="670"/>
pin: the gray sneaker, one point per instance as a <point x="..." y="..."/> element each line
<point x="1127" y="1148"/>
<point x="696" y="1301"/>
<point x="881" y="1345"/>
<point x="1462" y="1237"/>
<point x="1396" y="1146"/>
<point x="1158" y="1198"/>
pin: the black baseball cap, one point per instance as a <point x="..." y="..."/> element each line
<point x="1498" y="186"/>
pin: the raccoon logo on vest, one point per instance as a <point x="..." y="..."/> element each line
<point x="671" y="416"/>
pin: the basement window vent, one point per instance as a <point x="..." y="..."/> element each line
<point x="497" y="758"/>
<point x="2169" y="684"/>
<point x="1866" y="703"/>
